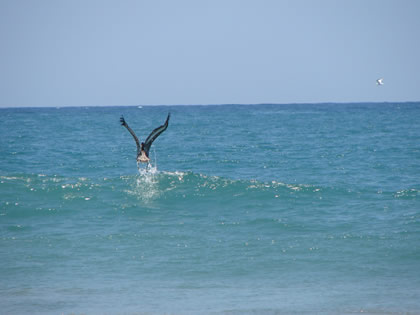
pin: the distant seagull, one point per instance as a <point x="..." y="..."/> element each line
<point x="380" y="81"/>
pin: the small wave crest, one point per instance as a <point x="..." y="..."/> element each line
<point x="152" y="184"/>
<point x="44" y="193"/>
<point x="412" y="193"/>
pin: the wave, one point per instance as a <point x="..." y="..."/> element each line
<point x="44" y="193"/>
<point x="147" y="185"/>
<point x="192" y="185"/>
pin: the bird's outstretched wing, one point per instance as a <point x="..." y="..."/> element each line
<point x="123" y="123"/>
<point x="154" y="134"/>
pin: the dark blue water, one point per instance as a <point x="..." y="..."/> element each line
<point x="259" y="209"/>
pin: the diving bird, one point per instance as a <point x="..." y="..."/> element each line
<point x="380" y="81"/>
<point x="144" y="147"/>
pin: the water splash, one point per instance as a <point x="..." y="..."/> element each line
<point x="146" y="187"/>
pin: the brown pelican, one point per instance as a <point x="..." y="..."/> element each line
<point x="144" y="147"/>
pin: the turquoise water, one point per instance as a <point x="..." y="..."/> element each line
<point x="256" y="209"/>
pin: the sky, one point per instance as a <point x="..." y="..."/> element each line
<point x="157" y="52"/>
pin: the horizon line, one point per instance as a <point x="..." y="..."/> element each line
<point x="212" y="104"/>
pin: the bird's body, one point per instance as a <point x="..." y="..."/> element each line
<point x="380" y="81"/>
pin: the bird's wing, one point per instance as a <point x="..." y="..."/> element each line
<point x="123" y="123"/>
<point x="154" y="134"/>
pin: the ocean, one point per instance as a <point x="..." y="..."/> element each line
<point x="247" y="209"/>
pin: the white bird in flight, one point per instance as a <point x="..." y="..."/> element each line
<point x="380" y="81"/>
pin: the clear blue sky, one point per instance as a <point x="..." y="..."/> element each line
<point x="84" y="52"/>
